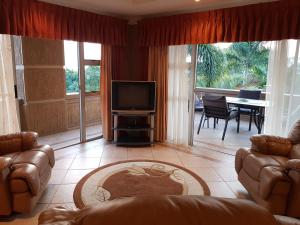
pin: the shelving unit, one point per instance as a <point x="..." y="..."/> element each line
<point x="133" y="128"/>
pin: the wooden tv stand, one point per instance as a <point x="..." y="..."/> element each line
<point x="133" y="128"/>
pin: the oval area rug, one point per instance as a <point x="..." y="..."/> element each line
<point x="135" y="178"/>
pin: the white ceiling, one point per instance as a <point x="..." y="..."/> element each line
<point x="145" y="8"/>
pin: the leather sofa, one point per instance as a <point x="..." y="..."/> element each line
<point x="25" y="169"/>
<point x="163" y="210"/>
<point x="270" y="171"/>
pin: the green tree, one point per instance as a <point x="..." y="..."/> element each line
<point x="92" y="78"/>
<point x="209" y="64"/>
<point x="249" y="59"/>
<point x="72" y="81"/>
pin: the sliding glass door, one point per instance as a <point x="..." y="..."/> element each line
<point x="89" y="77"/>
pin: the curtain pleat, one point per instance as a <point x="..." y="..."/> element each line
<point x="259" y="22"/>
<point x="283" y="89"/>
<point x="105" y="90"/>
<point x="9" y="122"/>
<point x="158" y="71"/>
<point x="37" y="19"/>
<point x="113" y="67"/>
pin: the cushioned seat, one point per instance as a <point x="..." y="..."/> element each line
<point x="25" y="169"/>
<point x="254" y="163"/>
<point x="270" y="171"/>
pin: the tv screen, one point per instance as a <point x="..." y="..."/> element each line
<point x="133" y="95"/>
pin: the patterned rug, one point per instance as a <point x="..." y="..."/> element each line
<point x="136" y="178"/>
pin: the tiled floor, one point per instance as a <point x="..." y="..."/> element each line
<point x="210" y="161"/>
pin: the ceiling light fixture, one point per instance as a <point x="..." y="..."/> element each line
<point x="197" y="0"/>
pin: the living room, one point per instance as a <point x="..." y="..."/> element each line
<point x="187" y="111"/>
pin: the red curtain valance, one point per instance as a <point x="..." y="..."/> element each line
<point x="260" y="22"/>
<point x="43" y="20"/>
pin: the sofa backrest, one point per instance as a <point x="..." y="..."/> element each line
<point x="10" y="143"/>
<point x="162" y="210"/>
<point x="17" y="142"/>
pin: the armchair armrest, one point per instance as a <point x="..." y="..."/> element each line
<point x="5" y="206"/>
<point x="293" y="164"/>
<point x="30" y="174"/>
<point x="5" y="163"/>
<point x="273" y="180"/>
<point x="271" y="145"/>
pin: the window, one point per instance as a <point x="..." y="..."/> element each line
<point x="71" y="67"/>
<point x="232" y="65"/>
<point x="91" y="64"/>
<point x="92" y="78"/>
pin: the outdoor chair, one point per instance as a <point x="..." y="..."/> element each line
<point x="248" y="110"/>
<point x="217" y="108"/>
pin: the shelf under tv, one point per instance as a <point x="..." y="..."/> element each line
<point x="133" y="141"/>
<point x="133" y="129"/>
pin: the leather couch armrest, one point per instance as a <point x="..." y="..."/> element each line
<point x="271" y="145"/>
<point x="5" y="163"/>
<point x="5" y="205"/>
<point x="48" y="151"/>
<point x="273" y="180"/>
<point x="30" y="174"/>
<point x="29" y="140"/>
<point x="241" y="154"/>
<point x="293" y="164"/>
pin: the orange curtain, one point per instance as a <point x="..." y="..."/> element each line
<point x="158" y="71"/>
<point x="44" y="20"/>
<point x="105" y="90"/>
<point x="113" y="67"/>
<point x="259" y="22"/>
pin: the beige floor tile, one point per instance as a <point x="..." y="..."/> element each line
<point x="220" y="189"/>
<point x="139" y="153"/>
<point x="57" y="176"/>
<point x="64" y="194"/>
<point x="207" y="174"/>
<point x="164" y="153"/>
<point x="73" y="176"/>
<point x="92" y="153"/>
<point x="238" y="189"/>
<point x="49" y="193"/>
<point x="63" y="163"/>
<point x="227" y="174"/>
<point x="85" y="163"/>
<point x="174" y="160"/>
<point x="194" y="161"/>
<point x="115" y="152"/>
<point x="107" y="160"/>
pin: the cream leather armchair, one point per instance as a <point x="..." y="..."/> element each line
<point x="25" y="169"/>
<point x="270" y="171"/>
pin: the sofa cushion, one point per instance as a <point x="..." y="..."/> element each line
<point x="254" y="163"/>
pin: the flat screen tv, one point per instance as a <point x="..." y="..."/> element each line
<point x="133" y="96"/>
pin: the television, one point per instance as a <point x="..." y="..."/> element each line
<point x="133" y="96"/>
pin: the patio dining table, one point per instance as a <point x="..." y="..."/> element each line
<point x="244" y="102"/>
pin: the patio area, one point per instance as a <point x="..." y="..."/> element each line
<point x="211" y="138"/>
<point x="70" y="137"/>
